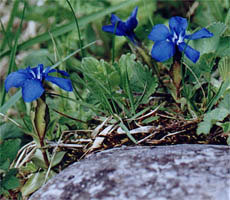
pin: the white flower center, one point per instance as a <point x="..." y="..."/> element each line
<point x="33" y="74"/>
<point x="177" y="40"/>
<point x="39" y="73"/>
<point x="180" y="40"/>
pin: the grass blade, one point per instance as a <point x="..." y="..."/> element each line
<point x="127" y="132"/>
<point x="220" y="92"/>
<point x="127" y="89"/>
<point x="78" y="29"/>
<point x="13" y="52"/>
<point x="70" y="26"/>
<point x="9" y="25"/>
<point x="11" y="102"/>
<point x="70" y="55"/>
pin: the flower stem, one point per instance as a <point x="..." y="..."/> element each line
<point x="44" y="153"/>
<point x="176" y="72"/>
<point x="40" y="120"/>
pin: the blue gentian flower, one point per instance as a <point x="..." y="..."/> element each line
<point x="31" y="80"/>
<point x="123" y="28"/>
<point x="168" y="40"/>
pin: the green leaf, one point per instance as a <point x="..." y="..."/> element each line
<point x="225" y="126"/>
<point x="127" y="89"/>
<point x="34" y="182"/>
<point x="9" y="131"/>
<point x="219" y="93"/>
<point x="211" y="118"/>
<point x="127" y="132"/>
<point x="208" y="45"/>
<point x="40" y="117"/>
<point x="225" y="103"/>
<point x="58" y="158"/>
<point x="12" y="101"/>
<point x="10" y="181"/>
<point x="228" y="140"/>
<point x="206" y="62"/>
<point x="224" y="67"/>
<point x="36" y="57"/>
<point x="3" y="191"/>
<point x="204" y="127"/>
<point x="223" y="47"/>
<point x="140" y="78"/>
<point x="9" y="149"/>
<point x="28" y="168"/>
<point x="140" y="113"/>
<point x="38" y="160"/>
<point x="4" y="165"/>
<point x="150" y="119"/>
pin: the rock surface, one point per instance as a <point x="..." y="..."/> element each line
<point x="180" y="172"/>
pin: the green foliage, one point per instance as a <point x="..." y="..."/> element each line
<point x="224" y="47"/>
<point x="34" y="182"/>
<point x="63" y="29"/>
<point x="11" y="102"/>
<point x="37" y="57"/>
<point x="9" y="181"/>
<point x="210" y="45"/>
<point x="210" y="11"/>
<point x="214" y="116"/>
<point x="9" y="131"/>
<point x="104" y="88"/>
<point x="104" y="80"/>
<point x="8" y="152"/>
<point x="224" y="68"/>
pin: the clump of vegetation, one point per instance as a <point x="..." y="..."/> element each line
<point x="125" y="72"/>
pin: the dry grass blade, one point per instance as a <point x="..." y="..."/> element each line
<point x="150" y="113"/>
<point x="108" y="130"/>
<point x="143" y="129"/>
<point x="96" y="144"/>
<point x="52" y="158"/>
<point x="24" y="154"/>
<point x="8" y="118"/>
<point x="99" y="127"/>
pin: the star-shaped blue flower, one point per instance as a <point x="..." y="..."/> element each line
<point x="31" y="80"/>
<point x="123" y="28"/>
<point x="167" y="40"/>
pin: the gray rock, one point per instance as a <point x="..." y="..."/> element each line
<point x="180" y="172"/>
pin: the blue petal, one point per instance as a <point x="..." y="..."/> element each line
<point x="64" y="73"/>
<point x="203" y="33"/>
<point x="134" y="12"/>
<point x="111" y="29"/>
<point x="31" y="90"/>
<point x="132" y="22"/>
<point x="163" y="50"/>
<point x="191" y="53"/>
<point x="178" y="25"/>
<point x="159" y="32"/>
<point x="50" y="70"/>
<point x="23" y="71"/>
<point x="16" y="79"/>
<point x="114" y="19"/>
<point x="63" y="83"/>
<point x="132" y="37"/>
